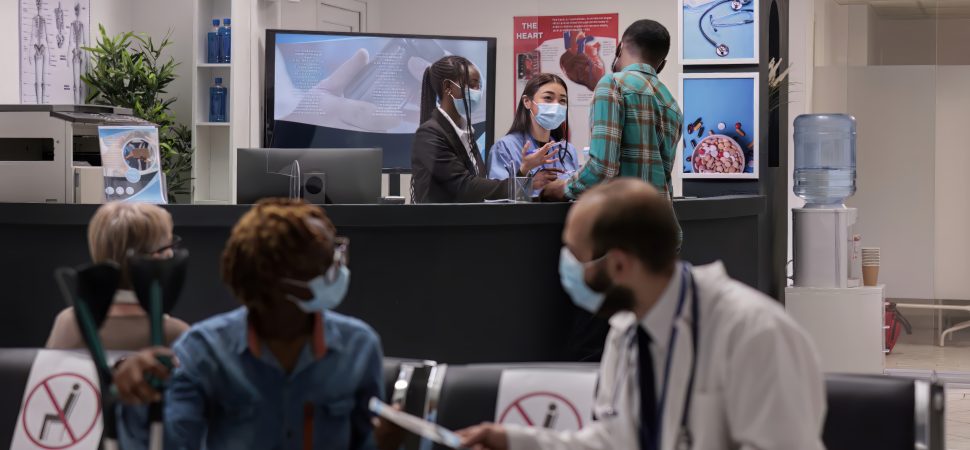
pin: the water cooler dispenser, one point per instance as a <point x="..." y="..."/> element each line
<point x="824" y="177"/>
<point x="844" y="321"/>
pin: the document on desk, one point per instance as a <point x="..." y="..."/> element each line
<point x="416" y="425"/>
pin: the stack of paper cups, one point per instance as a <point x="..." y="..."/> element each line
<point x="870" y="266"/>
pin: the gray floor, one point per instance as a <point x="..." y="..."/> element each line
<point x="918" y="352"/>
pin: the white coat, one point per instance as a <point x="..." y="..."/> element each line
<point x="757" y="385"/>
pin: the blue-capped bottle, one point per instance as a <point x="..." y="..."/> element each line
<point x="824" y="159"/>
<point x="218" y="101"/>
<point x="213" y="44"/>
<point x="225" y="36"/>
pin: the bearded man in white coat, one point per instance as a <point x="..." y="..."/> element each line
<point x="693" y="358"/>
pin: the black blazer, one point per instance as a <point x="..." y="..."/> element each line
<point x="441" y="171"/>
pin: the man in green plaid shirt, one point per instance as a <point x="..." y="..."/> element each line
<point x="636" y="123"/>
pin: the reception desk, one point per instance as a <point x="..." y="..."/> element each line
<point x="455" y="283"/>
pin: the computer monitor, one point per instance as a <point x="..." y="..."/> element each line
<point x="331" y="89"/>
<point x="319" y="175"/>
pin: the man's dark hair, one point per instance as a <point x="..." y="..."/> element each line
<point x="651" y="39"/>
<point x="637" y="219"/>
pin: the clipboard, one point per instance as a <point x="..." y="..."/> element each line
<point x="428" y="430"/>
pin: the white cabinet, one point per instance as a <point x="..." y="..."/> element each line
<point x="847" y="325"/>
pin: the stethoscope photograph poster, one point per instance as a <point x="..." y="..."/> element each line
<point x="719" y="31"/>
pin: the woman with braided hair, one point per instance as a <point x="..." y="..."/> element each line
<point x="446" y="164"/>
<point x="283" y="371"/>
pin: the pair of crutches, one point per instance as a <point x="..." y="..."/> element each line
<point x="90" y="289"/>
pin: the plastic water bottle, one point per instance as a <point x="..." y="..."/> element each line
<point x="824" y="159"/>
<point x="225" y="46"/>
<point x="213" y="45"/>
<point x="218" y="97"/>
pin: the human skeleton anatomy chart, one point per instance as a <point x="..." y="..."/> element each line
<point x="52" y="57"/>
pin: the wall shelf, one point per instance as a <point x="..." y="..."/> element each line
<point x="214" y="162"/>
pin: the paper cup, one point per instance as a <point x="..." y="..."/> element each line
<point x="870" y="275"/>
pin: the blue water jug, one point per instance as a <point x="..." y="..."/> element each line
<point x="218" y="99"/>
<point x="824" y="159"/>
<point x="213" y="44"/>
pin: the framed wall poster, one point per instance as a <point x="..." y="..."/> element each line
<point x="720" y="134"/>
<point x="577" y="48"/>
<point x="53" y="34"/>
<point x="716" y="32"/>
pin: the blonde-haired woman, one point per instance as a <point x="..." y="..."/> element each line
<point x="115" y="229"/>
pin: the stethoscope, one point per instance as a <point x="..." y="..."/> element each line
<point x="722" y="49"/>
<point x="684" y="438"/>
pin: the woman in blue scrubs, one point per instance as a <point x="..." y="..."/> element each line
<point x="540" y="123"/>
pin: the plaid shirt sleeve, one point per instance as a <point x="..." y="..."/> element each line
<point x="604" y="145"/>
<point x="672" y="127"/>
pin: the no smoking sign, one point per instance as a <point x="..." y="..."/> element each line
<point x="60" y="411"/>
<point x="542" y="409"/>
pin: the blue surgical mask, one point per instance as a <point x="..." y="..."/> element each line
<point x="474" y="99"/>
<point x="551" y="115"/>
<point x="572" y="275"/>
<point x="327" y="295"/>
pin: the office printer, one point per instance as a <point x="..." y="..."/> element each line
<point x="50" y="153"/>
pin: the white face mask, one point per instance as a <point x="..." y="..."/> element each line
<point x="572" y="274"/>
<point x="474" y="99"/>
<point x="550" y="116"/>
<point x="327" y="295"/>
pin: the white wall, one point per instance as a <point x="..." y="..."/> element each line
<point x="156" y="18"/>
<point x="801" y="39"/>
<point x="952" y="246"/>
<point x="896" y="166"/>
<point x="936" y="40"/>
<point x="494" y="19"/>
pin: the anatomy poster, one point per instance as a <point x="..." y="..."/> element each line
<point x="132" y="167"/>
<point x="720" y="125"/>
<point x="53" y="34"/>
<point x="579" y="49"/>
<point x="718" y="31"/>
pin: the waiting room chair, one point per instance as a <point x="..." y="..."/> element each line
<point x="888" y="413"/>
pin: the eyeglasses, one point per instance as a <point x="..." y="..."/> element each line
<point x="174" y="245"/>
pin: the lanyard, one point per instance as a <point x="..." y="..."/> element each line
<point x="684" y="438"/>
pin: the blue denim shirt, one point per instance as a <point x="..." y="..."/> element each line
<point x="230" y="392"/>
<point x="509" y="149"/>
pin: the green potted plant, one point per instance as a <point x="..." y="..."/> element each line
<point x="128" y="70"/>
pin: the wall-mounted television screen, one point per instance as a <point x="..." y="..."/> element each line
<point x="357" y="90"/>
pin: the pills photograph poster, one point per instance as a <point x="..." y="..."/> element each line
<point x="718" y="31"/>
<point x="720" y="125"/>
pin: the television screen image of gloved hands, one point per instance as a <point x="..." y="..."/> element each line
<point x="355" y="91"/>
<point x="719" y="31"/>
